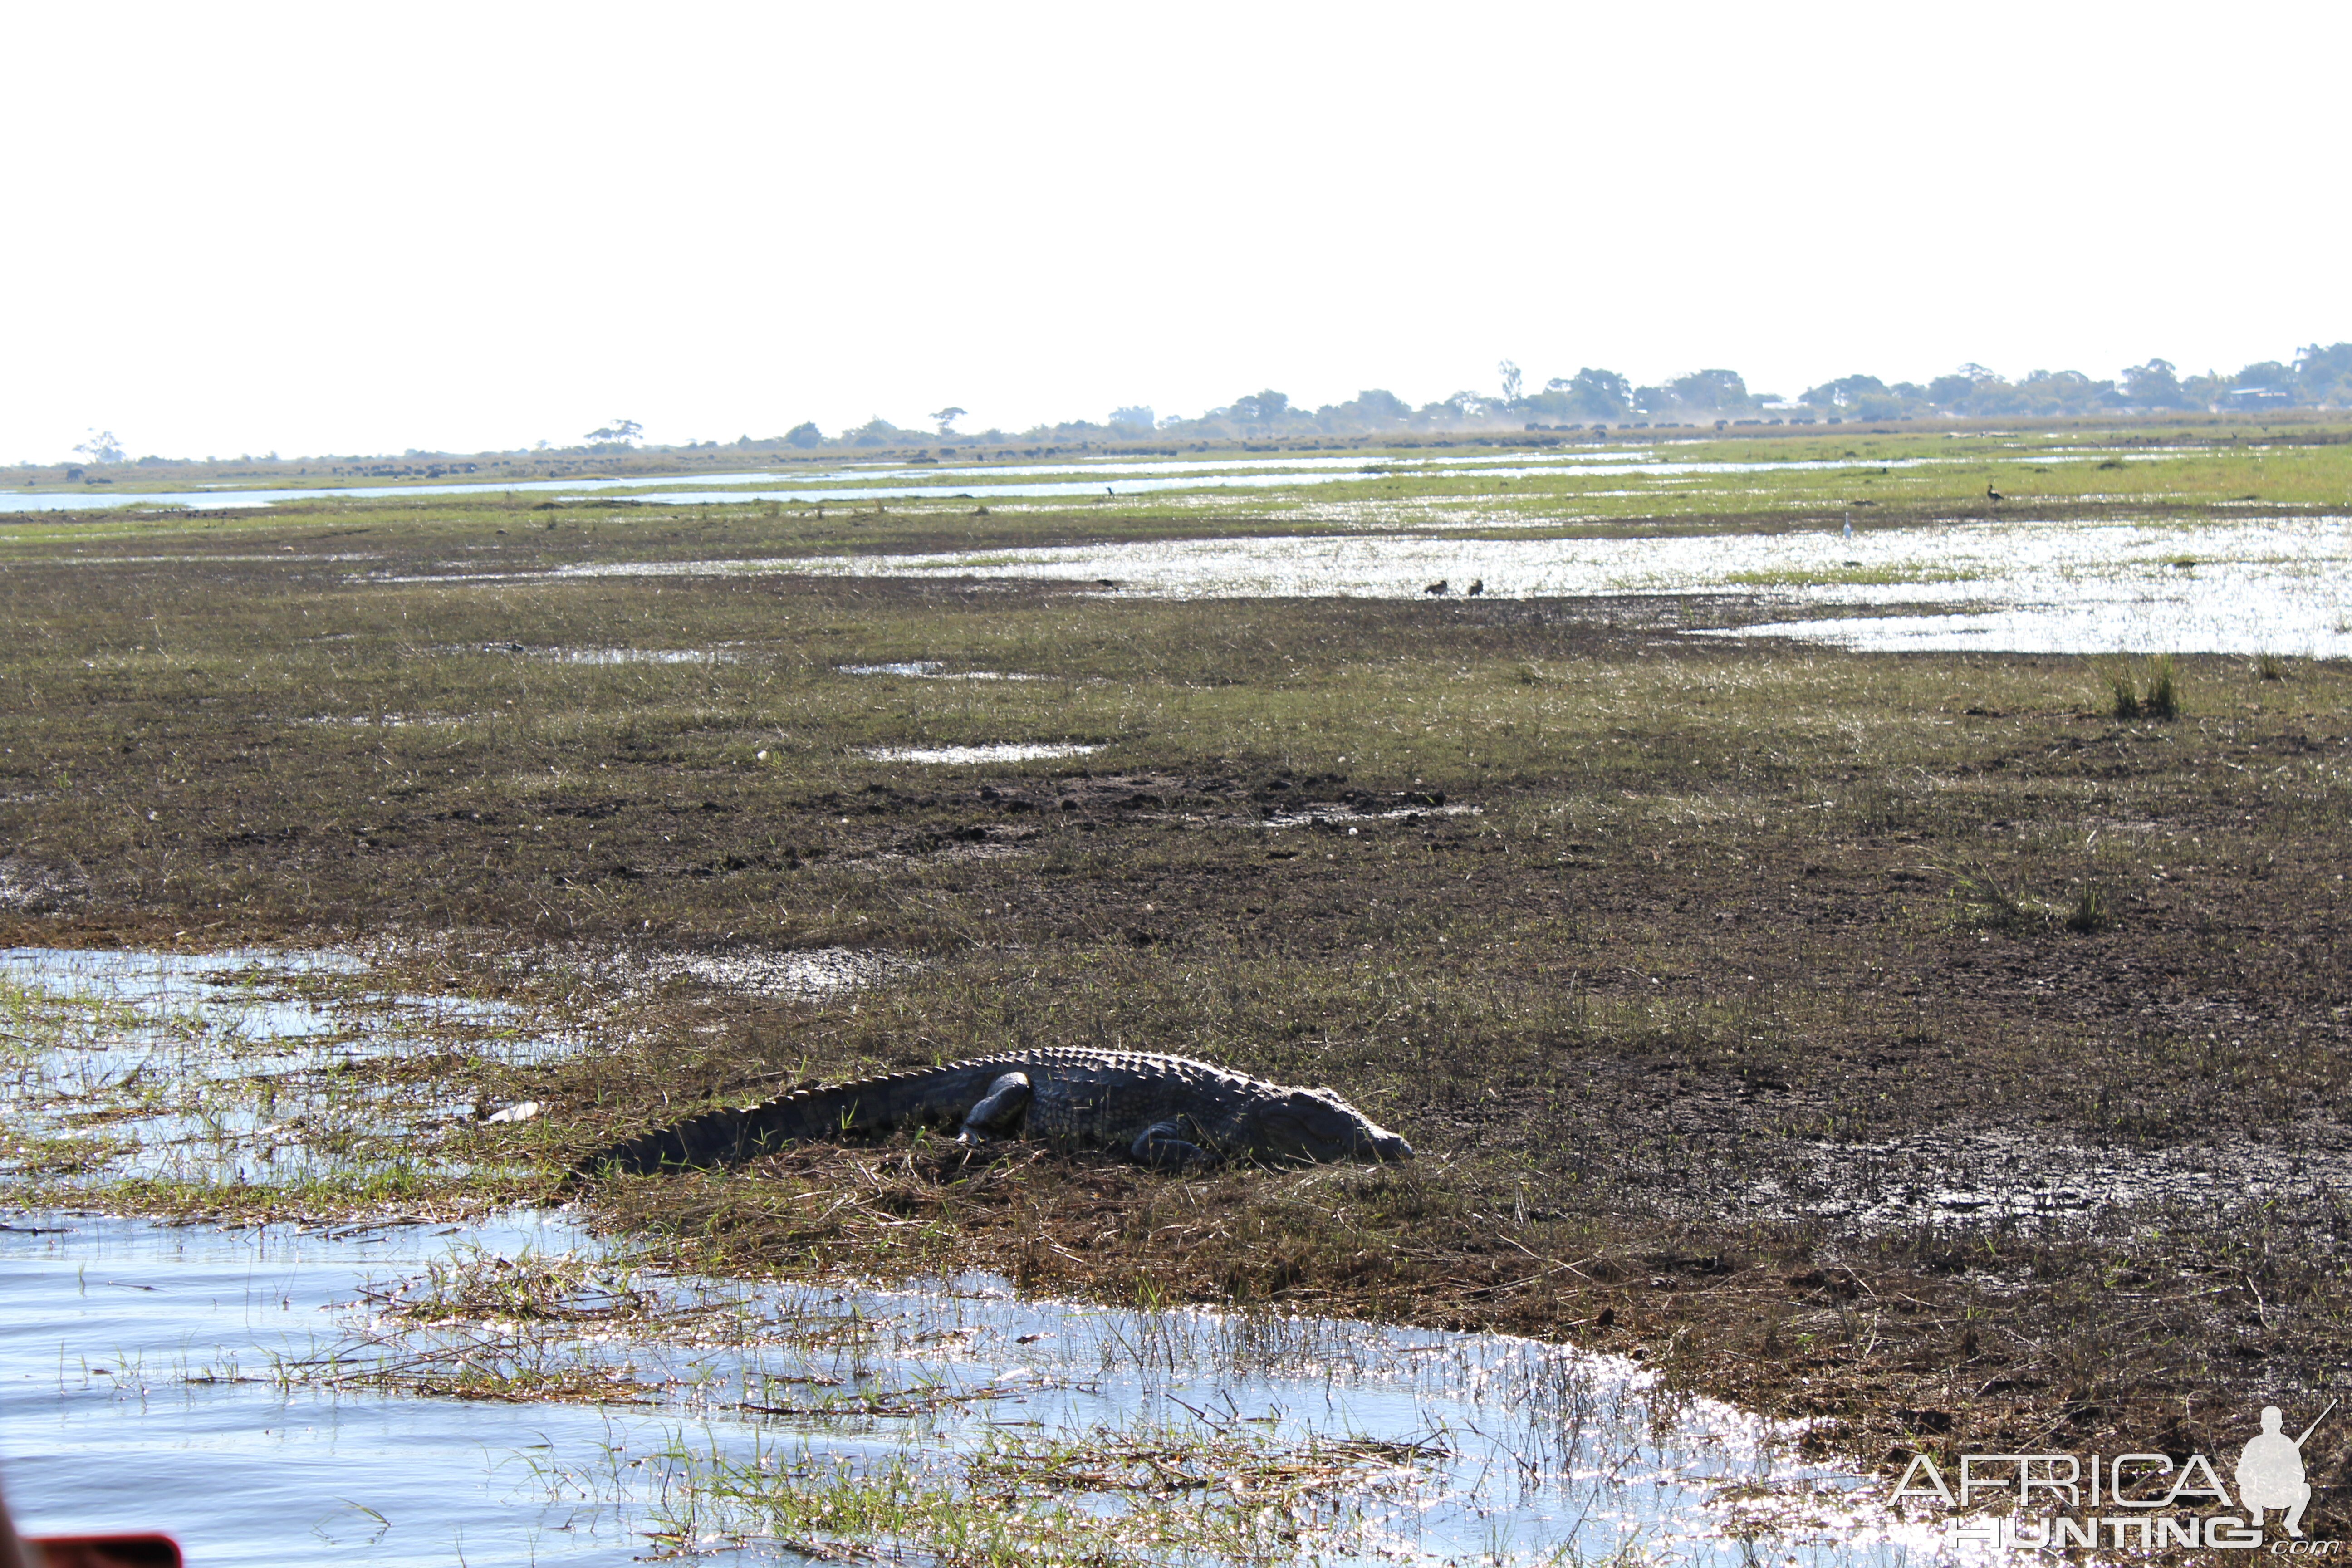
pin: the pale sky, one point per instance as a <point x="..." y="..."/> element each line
<point x="367" y="228"/>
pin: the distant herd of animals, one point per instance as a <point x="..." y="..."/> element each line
<point x="1441" y="586"/>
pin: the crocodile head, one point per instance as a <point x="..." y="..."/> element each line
<point x="1315" y="1124"/>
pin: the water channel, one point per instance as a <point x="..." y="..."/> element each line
<point x="981" y="482"/>
<point x="2280" y="586"/>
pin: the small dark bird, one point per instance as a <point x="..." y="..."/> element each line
<point x="1108" y="491"/>
<point x="1992" y="494"/>
<point x="1436" y="587"/>
<point x="1477" y="587"/>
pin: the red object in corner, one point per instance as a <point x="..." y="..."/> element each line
<point x="105" y="1551"/>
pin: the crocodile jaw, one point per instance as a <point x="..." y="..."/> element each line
<point x="1313" y="1125"/>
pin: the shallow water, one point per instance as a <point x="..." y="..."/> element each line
<point x="261" y="1066"/>
<point x="2272" y="584"/>
<point x="638" y="656"/>
<point x="213" y="497"/>
<point x="977" y="483"/>
<point x="135" y="1394"/>
<point x="929" y="669"/>
<point x="236" y="1066"/>
<point x="153" y="1378"/>
<point x="815" y="971"/>
<point x="959" y="755"/>
<point x="1108" y="485"/>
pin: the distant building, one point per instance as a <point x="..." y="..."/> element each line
<point x="2255" y="397"/>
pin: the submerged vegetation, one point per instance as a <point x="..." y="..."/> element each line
<point x="1923" y="1045"/>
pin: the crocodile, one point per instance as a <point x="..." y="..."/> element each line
<point x="1164" y="1112"/>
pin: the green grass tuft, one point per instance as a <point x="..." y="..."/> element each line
<point x="2150" y="690"/>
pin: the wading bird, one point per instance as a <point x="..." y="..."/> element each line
<point x="1992" y="494"/>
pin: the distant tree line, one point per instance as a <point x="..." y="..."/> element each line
<point x="2318" y="378"/>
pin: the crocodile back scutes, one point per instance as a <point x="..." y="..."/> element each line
<point x="1079" y="1095"/>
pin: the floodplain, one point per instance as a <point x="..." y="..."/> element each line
<point x="1920" y="1045"/>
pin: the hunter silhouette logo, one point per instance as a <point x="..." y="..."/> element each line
<point x="2148" y="1500"/>
<point x="2269" y="1472"/>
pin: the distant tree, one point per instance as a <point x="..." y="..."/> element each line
<point x="2269" y="376"/>
<point x="946" y="418"/>
<point x="1472" y="407"/>
<point x="1510" y="375"/>
<point x="1892" y="403"/>
<point x="2153" y="385"/>
<point x="1710" y="391"/>
<point x="1950" y="392"/>
<point x="1376" y="405"/>
<point x="2204" y="391"/>
<point x="2324" y="375"/>
<point x="875" y="432"/>
<point x="1260" y="407"/>
<point x="623" y="431"/>
<point x="101" y="447"/>
<point x="804" y="434"/>
<point x="1135" y="418"/>
<point x="1593" y="394"/>
<point x="1842" y="393"/>
<point x="2050" y="392"/>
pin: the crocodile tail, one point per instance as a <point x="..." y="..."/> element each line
<point x="713" y="1138"/>
<point x="730" y="1134"/>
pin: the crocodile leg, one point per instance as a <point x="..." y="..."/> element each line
<point x="1163" y="1144"/>
<point x="1005" y="1101"/>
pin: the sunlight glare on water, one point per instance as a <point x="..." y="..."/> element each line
<point x="207" y="1382"/>
<point x="2280" y="586"/>
<point x="1008" y="481"/>
<point x="957" y="755"/>
<point x="229" y="1066"/>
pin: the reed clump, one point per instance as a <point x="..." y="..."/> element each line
<point x="2148" y="690"/>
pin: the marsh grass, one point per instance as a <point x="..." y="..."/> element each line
<point x="2089" y="912"/>
<point x="1135" y="1494"/>
<point x="606" y="1325"/>
<point x="1852" y="575"/>
<point x="2147" y="689"/>
<point x="1984" y="898"/>
<point x="1684" y="945"/>
<point x="303" y="1086"/>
